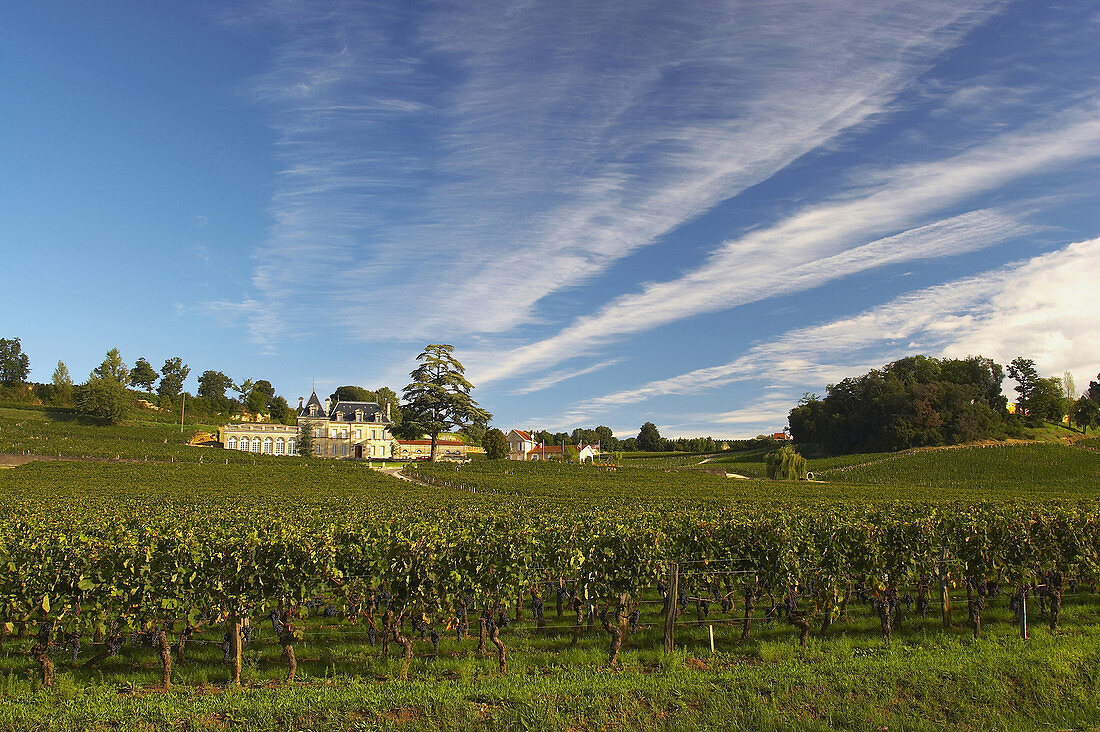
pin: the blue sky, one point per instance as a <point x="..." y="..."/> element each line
<point x="690" y="213"/>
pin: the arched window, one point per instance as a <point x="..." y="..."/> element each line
<point x="269" y="446"/>
<point x="255" y="444"/>
<point x="280" y="446"/>
<point x="292" y="447"/>
<point x="334" y="450"/>
<point x="231" y="443"/>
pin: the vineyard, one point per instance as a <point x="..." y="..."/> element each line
<point x="33" y="432"/>
<point x="160" y="575"/>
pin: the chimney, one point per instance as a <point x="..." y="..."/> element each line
<point x="387" y="411"/>
<point x="326" y="406"/>
<point x="300" y="403"/>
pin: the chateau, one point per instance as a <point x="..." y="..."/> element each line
<point x="340" y="430"/>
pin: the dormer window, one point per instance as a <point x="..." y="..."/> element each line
<point x="358" y="415"/>
<point x="313" y="410"/>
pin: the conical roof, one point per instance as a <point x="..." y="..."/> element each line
<point x="313" y="402"/>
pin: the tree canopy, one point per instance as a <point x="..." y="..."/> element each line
<point x="495" y="443"/>
<point x="102" y="399"/>
<point x="112" y="368"/>
<point x="62" y="386"/>
<point x="212" y="388"/>
<point x="143" y="375"/>
<point x="438" y="399"/>
<point x="15" y="365"/>
<point x="172" y="375"/>
<point x="649" y="438"/>
<point x="911" y="402"/>
<point x="1086" y="413"/>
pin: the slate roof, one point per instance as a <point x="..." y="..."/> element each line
<point x="313" y="401"/>
<point x="345" y="412"/>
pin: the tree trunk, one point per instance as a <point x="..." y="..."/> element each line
<point x="624" y="626"/>
<point x="46" y="665"/>
<point x="1054" y="590"/>
<point x="482" y="631"/>
<point x="519" y="606"/>
<point x="750" y="606"/>
<point x="435" y="439"/>
<point x="187" y="634"/>
<point x="408" y="646"/>
<point x="558" y="596"/>
<point x="973" y="607"/>
<point x="827" y="621"/>
<point x="578" y="608"/>
<point x="945" y="594"/>
<point x="387" y="631"/>
<point x="286" y="640"/>
<point x="538" y="609"/>
<point x="502" y="652"/>
<point x="801" y="620"/>
<point x="884" y="618"/>
<point x="166" y="659"/>
<point x="616" y="640"/>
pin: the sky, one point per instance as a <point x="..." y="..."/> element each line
<point x="689" y="213"/>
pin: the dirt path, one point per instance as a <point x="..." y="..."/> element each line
<point x="396" y="473"/>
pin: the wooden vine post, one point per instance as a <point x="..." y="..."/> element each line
<point x="945" y="590"/>
<point x="236" y="623"/>
<point x="1023" y="614"/>
<point x="671" y="594"/>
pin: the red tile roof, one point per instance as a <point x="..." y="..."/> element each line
<point x="522" y="434"/>
<point x="548" y="450"/>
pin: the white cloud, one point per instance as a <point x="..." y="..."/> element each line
<point x="440" y="160"/>
<point x="815" y="243"/>
<point x="1043" y="308"/>
<point x="549" y="380"/>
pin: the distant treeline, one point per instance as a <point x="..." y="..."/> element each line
<point x="921" y="401"/>
<point x="648" y="440"/>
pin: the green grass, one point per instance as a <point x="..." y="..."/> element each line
<point x="926" y="679"/>
<point x="1024" y="468"/>
<point x="56" y="433"/>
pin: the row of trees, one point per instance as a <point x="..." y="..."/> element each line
<point x="112" y="387"/>
<point x="1054" y="397"/>
<point x="921" y="401"/>
<point x="648" y="440"/>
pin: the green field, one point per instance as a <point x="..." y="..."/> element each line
<point x="121" y="549"/>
